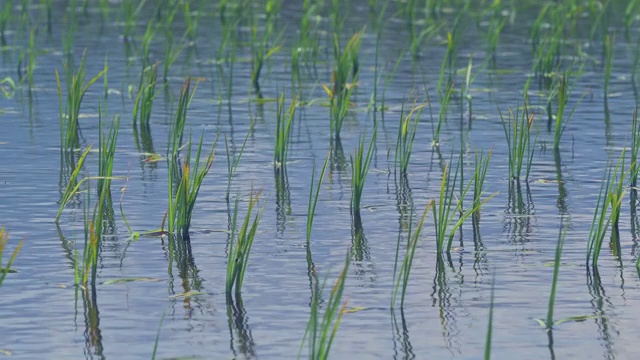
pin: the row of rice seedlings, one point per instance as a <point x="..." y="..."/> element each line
<point x="517" y="130"/>
<point x="4" y="240"/>
<point x="241" y="241"/>
<point x="360" y="164"/>
<point x="406" y="136"/>
<point x="69" y="114"/>
<point x="345" y="68"/>
<point x="401" y="277"/>
<point x="185" y="176"/>
<point x="284" y="120"/>
<point x="142" y="108"/>
<point x="321" y="330"/>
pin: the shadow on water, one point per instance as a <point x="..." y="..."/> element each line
<point x="441" y="297"/>
<point x="180" y="256"/>
<point x="93" y="348"/>
<point x="599" y="299"/>
<point x="241" y="341"/>
<point x="283" y="199"/>
<point x="402" y="347"/>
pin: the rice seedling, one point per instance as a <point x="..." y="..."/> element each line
<point x="449" y="206"/>
<point x="608" y="62"/>
<point x="69" y="114"/>
<point x="259" y="46"/>
<point x="481" y="165"/>
<point x="322" y="329"/>
<point x="607" y="211"/>
<point x="444" y="99"/>
<point x="157" y="340"/>
<point x="401" y="277"/>
<point x="307" y="44"/>
<point x="129" y="14"/>
<point x="562" y="90"/>
<point x="5" y="17"/>
<point x="106" y="153"/>
<point x="4" y="240"/>
<point x="27" y="60"/>
<point x="517" y="130"/>
<point x="313" y="198"/>
<point x="549" y="322"/>
<point x="360" y="164"/>
<point x="241" y="241"/>
<point x="73" y="186"/>
<point x="629" y="17"/>
<point x="142" y="107"/>
<point x="466" y="93"/>
<point x="489" y="338"/>
<point x="185" y="176"/>
<point x="234" y="160"/>
<point x="345" y="69"/>
<point x="284" y="119"/>
<point x="69" y="35"/>
<point x="496" y="24"/>
<point x="148" y="36"/>
<point x="406" y="136"/>
<point x="188" y="177"/>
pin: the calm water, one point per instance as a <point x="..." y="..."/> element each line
<point x="447" y="311"/>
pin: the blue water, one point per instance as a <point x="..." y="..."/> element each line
<point x="446" y="311"/>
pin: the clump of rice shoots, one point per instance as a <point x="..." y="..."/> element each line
<point x="240" y="245"/>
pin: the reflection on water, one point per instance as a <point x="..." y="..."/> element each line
<point x="241" y="341"/>
<point x="519" y="220"/>
<point x="600" y="300"/>
<point x="402" y="347"/>
<point x="283" y="199"/>
<point x="180" y="257"/>
<point x="93" y="348"/>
